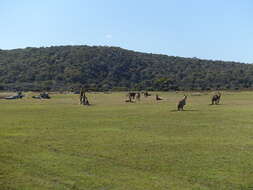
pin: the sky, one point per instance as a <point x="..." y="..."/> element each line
<point x="207" y="29"/>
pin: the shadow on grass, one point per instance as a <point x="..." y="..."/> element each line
<point x="90" y="105"/>
<point x="184" y="111"/>
<point x="216" y="104"/>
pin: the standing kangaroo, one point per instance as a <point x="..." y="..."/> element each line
<point x="181" y="104"/>
<point x="82" y="94"/>
<point x="216" y="98"/>
<point x="83" y="98"/>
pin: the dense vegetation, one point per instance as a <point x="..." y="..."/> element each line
<point x="112" y="68"/>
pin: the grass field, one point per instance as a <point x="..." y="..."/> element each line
<point x="57" y="144"/>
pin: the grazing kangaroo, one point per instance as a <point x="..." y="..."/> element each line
<point x="132" y="95"/>
<point x="146" y="94"/>
<point x="157" y="97"/>
<point x="129" y="98"/>
<point x="181" y="104"/>
<point x="216" y="99"/>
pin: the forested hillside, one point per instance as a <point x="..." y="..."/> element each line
<point x="113" y="68"/>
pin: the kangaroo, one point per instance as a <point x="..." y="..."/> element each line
<point x="82" y="94"/>
<point x="129" y="98"/>
<point x="181" y="104"/>
<point x="216" y="99"/>
<point x="83" y="98"/>
<point x="138" y="96"/>
<point x="158" y="98"/>
<point x="146" y="94"/>
<point x="132" y="95"/>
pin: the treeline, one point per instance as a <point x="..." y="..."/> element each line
<point x="112" y="68"/>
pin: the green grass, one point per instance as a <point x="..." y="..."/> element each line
<point x="112" y="145"/>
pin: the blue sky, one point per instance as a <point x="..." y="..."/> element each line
<point x="209" y="29"/>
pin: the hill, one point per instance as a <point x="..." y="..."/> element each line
<point x="113" y="68"/>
